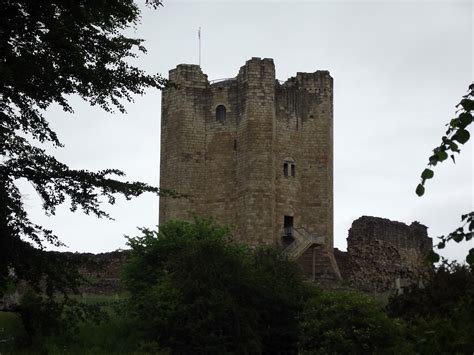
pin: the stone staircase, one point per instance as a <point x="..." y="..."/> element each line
<point x="303" y="241"/>
<point x="312" y="254"/>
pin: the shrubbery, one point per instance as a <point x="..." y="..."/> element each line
<point x="439" y="316"/>
<point x="336" y="322"/>
<point x="193" y="291"/>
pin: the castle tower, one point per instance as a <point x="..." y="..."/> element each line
<point x="255" y="154"/>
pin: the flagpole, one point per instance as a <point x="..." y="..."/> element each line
<point x="199" y="36"/>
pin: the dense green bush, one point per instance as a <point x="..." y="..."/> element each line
<point x="54" y="323"/>
<point x="440" y="315"/>
<point x="11" y="330"/>
<point x="192" y="291"/>
<point x="336" y="322"/>
<point x="92" y="325"/>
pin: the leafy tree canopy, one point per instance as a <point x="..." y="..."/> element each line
<point x="191" y="291"/>
<point x="50" y="50"/>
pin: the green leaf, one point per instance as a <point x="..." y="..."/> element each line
<point x="458" y="237"/>
<point x="433" y="159"/>
<point x="465" y="119"/>
<point x="462" y="136"/>
<point x="470" y="258"/>
<point x="442" y="155"/>
<point x="467" y="104"/>
<point x="452" y="157"/>
<point x="420" y="190"/>
<point x="454" y="147"/>
<point x="441" y="245"/>
<point x="427" y="174"/>
<point x="433" y="257"/>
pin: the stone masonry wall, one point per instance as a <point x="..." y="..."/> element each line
<point x="103" y="271"/>
<point x="383" y="254"/>
<point x="304" y="139"/>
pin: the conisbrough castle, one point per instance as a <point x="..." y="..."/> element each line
<point x="254" y="153"/>
<point x="257" y="154"/>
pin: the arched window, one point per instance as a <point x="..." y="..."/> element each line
<point x="220" y="113"/>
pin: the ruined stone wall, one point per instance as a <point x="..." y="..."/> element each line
<point x="103" y="271"/>
<point x="383" y="254"/>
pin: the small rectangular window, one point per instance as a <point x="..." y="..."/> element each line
<point x="285" y="169"/>
<point x="235" y="144"/>
<point x="293" y="170"/>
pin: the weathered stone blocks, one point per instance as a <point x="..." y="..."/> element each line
<point x="383" y="254"/>
<point x="234" y="167"/>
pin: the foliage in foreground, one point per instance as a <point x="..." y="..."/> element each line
<point x="114" y="335"/>
<point x="336" y="322"/>
<point x="456" y="134"/>
<point x="50" y="50"/>
<point x="194" y="292"/>
<point x="439" y="316"/>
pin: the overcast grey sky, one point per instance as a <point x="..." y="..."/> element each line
<point x="399" y="68"/>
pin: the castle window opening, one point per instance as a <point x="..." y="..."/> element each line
<point x="288" y="226"/>
<point x="220" y="113"/>
<point x="235" y="144"/>
<point x="293" y="170"/>
<point x="285" y="169"/>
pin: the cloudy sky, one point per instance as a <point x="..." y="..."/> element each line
<point x="399" y="68"/>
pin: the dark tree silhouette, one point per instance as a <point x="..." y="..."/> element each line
<point x="50" y="50"/>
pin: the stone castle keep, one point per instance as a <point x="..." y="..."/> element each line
<point x="257" y="154"/>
